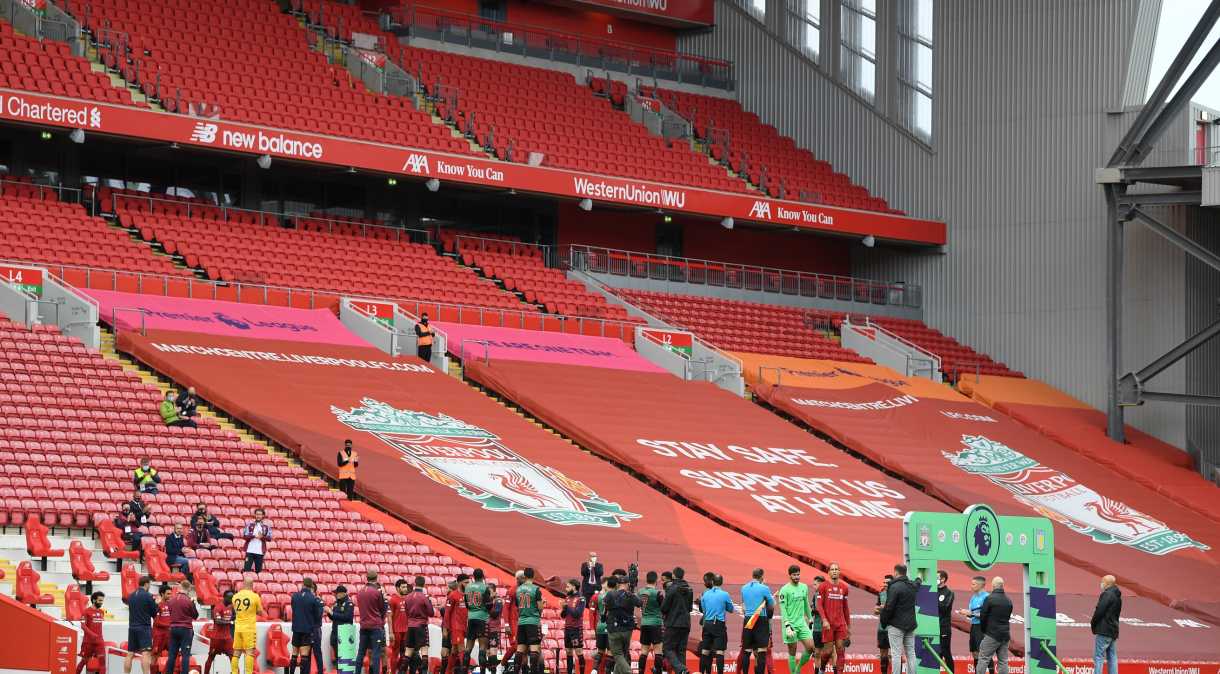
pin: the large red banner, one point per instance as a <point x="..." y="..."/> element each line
<point x="696" y="12"/>
<point x="118" y="120"/>
<point x="1073" y="424"/>
<point x="965" y="453"/>
<point x="443" y="456"/>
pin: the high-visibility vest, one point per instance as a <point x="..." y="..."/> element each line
<point x="348" y="470"/>
<point x="425" y="337"/>
<point x="143" y="477"/>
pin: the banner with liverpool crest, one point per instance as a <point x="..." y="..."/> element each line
<point x="447" y="458"/>
<point x="963" y="452"/>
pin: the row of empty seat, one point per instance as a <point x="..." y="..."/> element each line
<point x="957" y="359"/>
<point x="49" y="67"/>
<point x="523" y="270"/>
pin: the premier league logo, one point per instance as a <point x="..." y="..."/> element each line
<point x="475" y="464"/>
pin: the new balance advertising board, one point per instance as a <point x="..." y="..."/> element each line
<point x="441" y="455"/>
<point x="224" y="135"/>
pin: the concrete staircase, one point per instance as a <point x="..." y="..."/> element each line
<point x="58" y="576"/>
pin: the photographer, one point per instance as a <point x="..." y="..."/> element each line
<point x="620" y="623"/>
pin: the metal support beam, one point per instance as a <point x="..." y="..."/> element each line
<point x="1179" y="198"/>
<point x="1185" y="398"/>
<point x="1180" y="99"/>
<point x="1114" y="317"/>
<point x="1178" y="352"/>
<point x="1126" y="146"/>
<point x="1180" y="240"/>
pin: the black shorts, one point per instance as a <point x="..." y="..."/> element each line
<point x="475" y="628"/>
<point x="529" y="635"/>
<point x="715" y="637"/>
<point x="417" y="637"/>
<point x="675" y="640"/>
<point x="300" y="639"/>
<point x="603" y="641"/>
<point x="757" y="638"/>
<point x="445" y="641"/>
<point x="817" y="638"/>
<point x="650" y="635"/>
<point x="573" y="637"/>
<point x="883" y="639"/>
<point x="976" y="637"/>
<point x="139" y="639"/>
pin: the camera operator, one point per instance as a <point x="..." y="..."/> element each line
<point x="620" y="622"/>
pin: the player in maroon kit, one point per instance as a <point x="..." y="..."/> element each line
<point x="573" y="626"/>
<point x="398" y="624"/>
<point x="416" y="609"/>
<point x="160" y="645"/>
<point x="836" y="617"/>
<point x="495" y="625"/>
<point x="454" y="622"/>
<point x="92" y="643"/>
<point x="221" y="641"/>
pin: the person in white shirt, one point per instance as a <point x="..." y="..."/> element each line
<point x="257" y="534"/>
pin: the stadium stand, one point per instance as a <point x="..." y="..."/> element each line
<point x="357" y="258"/>
<point x="260" y="69"/>
<point x="61" y="403"/>
<point x="758" y="152"/>
<point x="956" y="358"/>
<point x="747" y="326"/>
<point x="66" y="234"/>
<point x="47" y="66"/>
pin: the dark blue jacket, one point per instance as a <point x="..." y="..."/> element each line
<point x="141" y="608"/>
<point x="306" y="612"/>
<point x="174" y="545"/>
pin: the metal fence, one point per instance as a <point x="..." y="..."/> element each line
<point x="482" y="243"/>
<point x="49" y="24"/>
<point x="741" y="277"/>
<point x="524" y="40"/>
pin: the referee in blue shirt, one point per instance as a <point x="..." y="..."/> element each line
<point x="754" y="596"/>
<point x="715" y="604"/>
<point x="977" y="596"/>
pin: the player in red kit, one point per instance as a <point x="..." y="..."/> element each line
<point x="92" y="644"/>
<point x="160" y="645"/>
<point x="836" y="617"/>
<point x="398" y="622"/>
<point x="222" y="632"/>
<point x="456" y="617"/>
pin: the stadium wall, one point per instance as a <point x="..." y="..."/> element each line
<point x="1028" y="100"/>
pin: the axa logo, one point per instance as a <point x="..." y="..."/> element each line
<point x="761" y="209"/>
<point x="204" y="132"/>
<point x="417" y="163"/>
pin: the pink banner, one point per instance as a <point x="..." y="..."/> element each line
<point x="216" y="317"/>
<point x="542" y="347"/>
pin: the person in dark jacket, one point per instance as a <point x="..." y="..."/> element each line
<point x="188" y="402"/>
<point x="944" y="610"/>
<point x="1105" y="626"/>
<point x="591" y="575"/>
<point x="342" y="613"/>
<point x="620" y="623"/>
<point x="675" y="612"/>
<point x="175" y="551"/>
<point x="182" y="616"/>
<point x="141" y="607"/>
<point x="994" y="616"/>
<point x="306" y="616"/>
<point x="898" y="616"/>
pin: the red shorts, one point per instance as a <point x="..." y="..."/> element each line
<point x="833" y="633"/>
<point x="160" y="640"/>
<point x="90" y="649"/>
<point x="221" y="647"/>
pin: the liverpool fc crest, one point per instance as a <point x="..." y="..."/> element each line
<point x="474" y="463"/>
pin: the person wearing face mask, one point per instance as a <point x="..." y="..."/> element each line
<point x="146" y="478"/>
<point x="348" y="460"/>
<point x="423" y="339"/>
<point x="592" y="573"/>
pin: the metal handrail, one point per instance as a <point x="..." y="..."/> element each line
<point x="485" y="241"/>
<point x="693" y="271"/>
<point x="57" y="187"/>
<point x="405" y="15"/>
<point x="868" y="322"/>
<point x="114" y="320"/>
<point x="624" y="327"/>
<point x="482" y="342"/>
<point x="331" y="222"/>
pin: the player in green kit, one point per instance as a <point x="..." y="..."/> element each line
<point x="796" y="615"/>
<point x="529" y="625"/>
<point x="651" y="636"/>
<point x="478" y="598"/>
<point x="599" y="632"/>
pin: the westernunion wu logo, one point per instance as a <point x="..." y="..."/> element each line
<point x="474" y="463"/>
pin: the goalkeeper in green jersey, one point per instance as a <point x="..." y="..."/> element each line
<point x="796" y="615"/>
